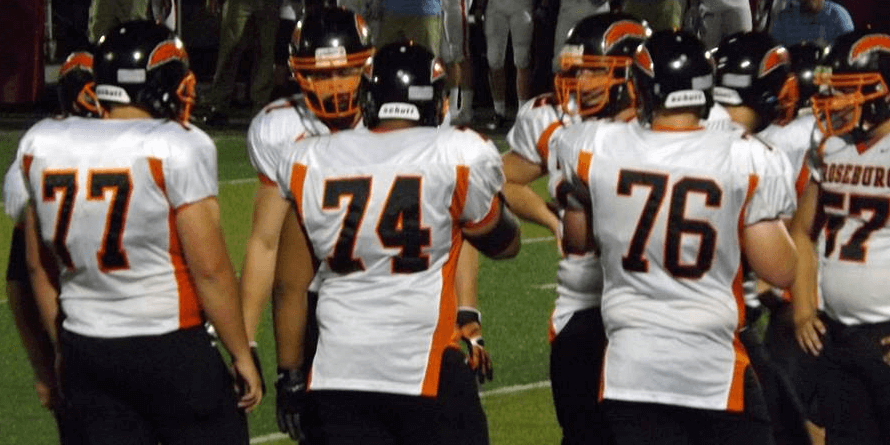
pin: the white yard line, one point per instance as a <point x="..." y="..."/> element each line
<point x="505" y="390"/>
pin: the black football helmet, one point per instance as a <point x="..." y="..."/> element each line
<point x="754" y="70"/>
<point x="672" y="70"/>
<point x="76" y="84"/>
<point x="144" y="64"/>
<point x="594" y="76"/>
<point x="329" y="49"/>
<point x="805" y="57"/>
<point x="406" y="81"/>
<point x="853" y="83"/>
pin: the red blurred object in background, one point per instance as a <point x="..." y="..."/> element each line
<point x="21" y="51"/>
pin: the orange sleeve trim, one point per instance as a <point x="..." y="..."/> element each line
<point x="156" y="167"/>
<point x="490" y="216"/>
<point x="583" y="171"/>
<point x="461" y="186"/>
<point x="543" y="145"/>
<point x="297" y="179"/>
<point x="265" y="180"/>
<point x="803" y="177"/>
<point x="26" y="164"/>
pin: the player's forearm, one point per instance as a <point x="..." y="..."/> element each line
<point x="289" y="314"/>
<point x="465" y="277"/>
<point x="46" y="295"/>
<point x="219" y="299"/>
<point x="30" y="327"/>
<point x="803" y="290"/>
<point x="529" y="206"/>
<point x="256" y="283"/>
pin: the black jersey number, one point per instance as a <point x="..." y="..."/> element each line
<point x="399" y="224"/>
<point x="677" y="224"/>
<point x="856" y="248"/>
<point x="111" y="255"/>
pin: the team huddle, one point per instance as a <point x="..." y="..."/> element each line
<point x="691" y="192"/>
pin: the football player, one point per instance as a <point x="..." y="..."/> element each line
<point x="757" y="86"/>
<point x="330" y="48"/>
<point x="852" y="110"/>
<point x="125" y="209"/>
<point x="382" y="213"/>
<point x="328" y="51"/>
<point x="593" y="83"/>
<point x="673" y="208"/>
<point x="76" y="98"/>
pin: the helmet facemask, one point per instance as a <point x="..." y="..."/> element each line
<point x="330" y="83"/>
<point x="594" y="85"/>
<point x="839" y="105"/>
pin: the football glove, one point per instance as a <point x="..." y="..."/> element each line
<point x="469" y="321"/>
<point x="255" y="355"/>
<point x="290" y="402"/>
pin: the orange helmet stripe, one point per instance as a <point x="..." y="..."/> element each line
<point x="869" y="43"/>
<point x="166" y="51"/>
<point x="773" y="59"/>
<point x="621" y="30"/>
<point x="81" y="60"/>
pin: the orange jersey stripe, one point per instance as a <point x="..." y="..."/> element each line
<point x="583" y="172"/>
<point x="736" y="401"/>
<point x="297" y="179"/>
<point x="444" y="335"/>
<point x="459" y="198"/>
<point x="189" y="305"/>
<point x="543" y="145"/>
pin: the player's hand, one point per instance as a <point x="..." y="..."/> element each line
<point x="809" y="331"/>
<point x="290" y="402"/>
<point x="46" y="394"/>
<point x="249" y="383"/>
<point x="469" y="322"/>
<point x="255" y="355"/>
<point x="885" y="342"/>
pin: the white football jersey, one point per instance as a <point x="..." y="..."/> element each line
<point x="273" y="130"/>
<point x="579" y="277"/>
<point x="383" y="213"/>
<point x="105" y="192"/>
<point x="15" y="195"/>
<point x="855" y="254"/>
<point x="797" y="139"/>
<point x="667" y="209"/>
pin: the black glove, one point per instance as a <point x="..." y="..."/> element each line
<point x="255" y="355"/>
<point x="290" y="402"/>
<point x="469" y="321"/>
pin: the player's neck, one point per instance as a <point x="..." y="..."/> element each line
<point x="744" y="116"/>
<point x="879" y="132"/>
<point x="128" y="112"/>
<point x="394" y="124"/>
<point x="665" y="120"/>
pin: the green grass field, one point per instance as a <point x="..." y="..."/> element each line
<point x="515" y="296"/>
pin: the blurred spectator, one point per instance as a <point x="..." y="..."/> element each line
<point x="659" y="14"/>
<point x="243" y="22"/>
<point x="508" y="19"/>
<point x="712" y="20"/>
<point x="370" y="10"/>
<point x="570" y="12"/>
<point x="417" y="20"/>
<point x="455" y="53"/>
<point x="104" y="14"/>
<point x="817" y="21"/>
<point x="291" y="11"/>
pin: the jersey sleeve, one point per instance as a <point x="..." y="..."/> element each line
<point x="531" y="132"/>
<point x="15" y="193"/>
<point x="485" y="180"/>
<point x="262" y="139"/>
<point x="774" y="195"/>
<point x="190" y="170"/>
